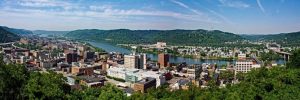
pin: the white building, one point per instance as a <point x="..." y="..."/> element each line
<point x="246" y="65"/>
<point x="160" y="78"/>
<point x="120" y="72"/>
<point x="241" y="56"/>
<point x="161" y="45"/>
<point x="135" y="75"/>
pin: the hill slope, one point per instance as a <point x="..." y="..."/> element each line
<point x="287" y="39"/>
<point x="17" y="31"/>
<point x="7" y="36"/>
<point x="178" y="37"/>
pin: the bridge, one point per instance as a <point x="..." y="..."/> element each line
<point x="6" y="43"/>
<point x="276" y="48"/>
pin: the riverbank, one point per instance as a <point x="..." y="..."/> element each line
<point x="173" y="59"/>
<point x="176" y="54"/>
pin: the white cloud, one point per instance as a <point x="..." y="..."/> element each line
<point x="199" y="15"/>
<point x="105" y="12"/>
<point x="48" y="4"/>
<point x="187" y="7"/>
<point x="43" y="3"/>
<point x="45" y="13"/>
<point x="260" y="6"/>
<point x="101" y="8"/>
<point x="234" y="4"/>
<point x="221" y="16"/>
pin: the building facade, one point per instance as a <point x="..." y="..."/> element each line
<point x="130" y="61"/>
<point x="163" y="60"/>
<point x="144" y="84"/>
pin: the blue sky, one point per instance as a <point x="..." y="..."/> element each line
<point x="237" y="16"/>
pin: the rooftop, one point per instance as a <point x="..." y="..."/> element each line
<point x="91" y="79"/>
<point x="146" y="80"/>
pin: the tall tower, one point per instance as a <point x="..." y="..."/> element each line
<point x="163" y="60"/>
<point x="144" y="61"/>
<point x="130" y="61"/>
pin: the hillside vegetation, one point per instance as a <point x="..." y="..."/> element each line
<point x="17" y="31"/>
<point x="286" y="39"/>
<point x="179" y="37"/>
<point x="7" y="36"/>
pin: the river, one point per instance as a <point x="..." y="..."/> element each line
<point x="173" y="59"/>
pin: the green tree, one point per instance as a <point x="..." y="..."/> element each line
<point x="111" y="92"/>
<point x="45" y="86"/>
<point x="294" y="61"/>
<point x="12" y="79"/>
<point x="227" y="76"/>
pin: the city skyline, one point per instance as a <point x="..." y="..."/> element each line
<point x="237" y="16"/>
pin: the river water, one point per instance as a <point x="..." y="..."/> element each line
<point x="173" y="59"/>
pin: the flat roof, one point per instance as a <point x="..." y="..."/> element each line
<point x="90" y="79"/>
<point x="146" y="80"/>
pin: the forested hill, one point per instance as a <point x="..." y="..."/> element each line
<point x="180" y="37"/>
<point x="49" y="33"/>
<point x="292" y="38"/>
<point x="6" y="36"/>
<point x="17" y="31"/>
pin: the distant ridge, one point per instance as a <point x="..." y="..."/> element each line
<point x="178" y="36"/>
<point x="17" y="31"/>
<point x="287" y="39"/>
<point x="48" y="33"/>
<point x="7" y="36"/>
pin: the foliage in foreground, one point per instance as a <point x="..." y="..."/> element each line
<point x="263" y="83"/>
<point x="276" y="83"/>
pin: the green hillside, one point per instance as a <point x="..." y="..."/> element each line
<point x="286" y="39"/>
<point x="179" y="37"/>
<point x="17" y="31"/>
<point x="7" y="36"/>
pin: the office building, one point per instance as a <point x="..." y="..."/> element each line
<point x="145" y="84"/>
<point x="142" y="61"/>
<point x="135" y="75"/>
<point x="91" y="81"/>
<point x="163" y="60"/>
<point x="130" y="61"/>
<point x="135" y="61"/>
<point x="71" y="57"/>
<point x="245" y="65"/>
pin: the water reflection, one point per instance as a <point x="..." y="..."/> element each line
<point x="173" y="59"/>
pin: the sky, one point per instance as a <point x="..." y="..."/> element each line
<point x="236" y="16"/>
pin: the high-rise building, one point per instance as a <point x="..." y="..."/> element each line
<point x="163" y="60"/>
<point x="71" y="57"/>
<point x="130" y="61"/>
<point x="89" y="55"/>
<point x="144" y="59"/>
<point x="135" y="61"/>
